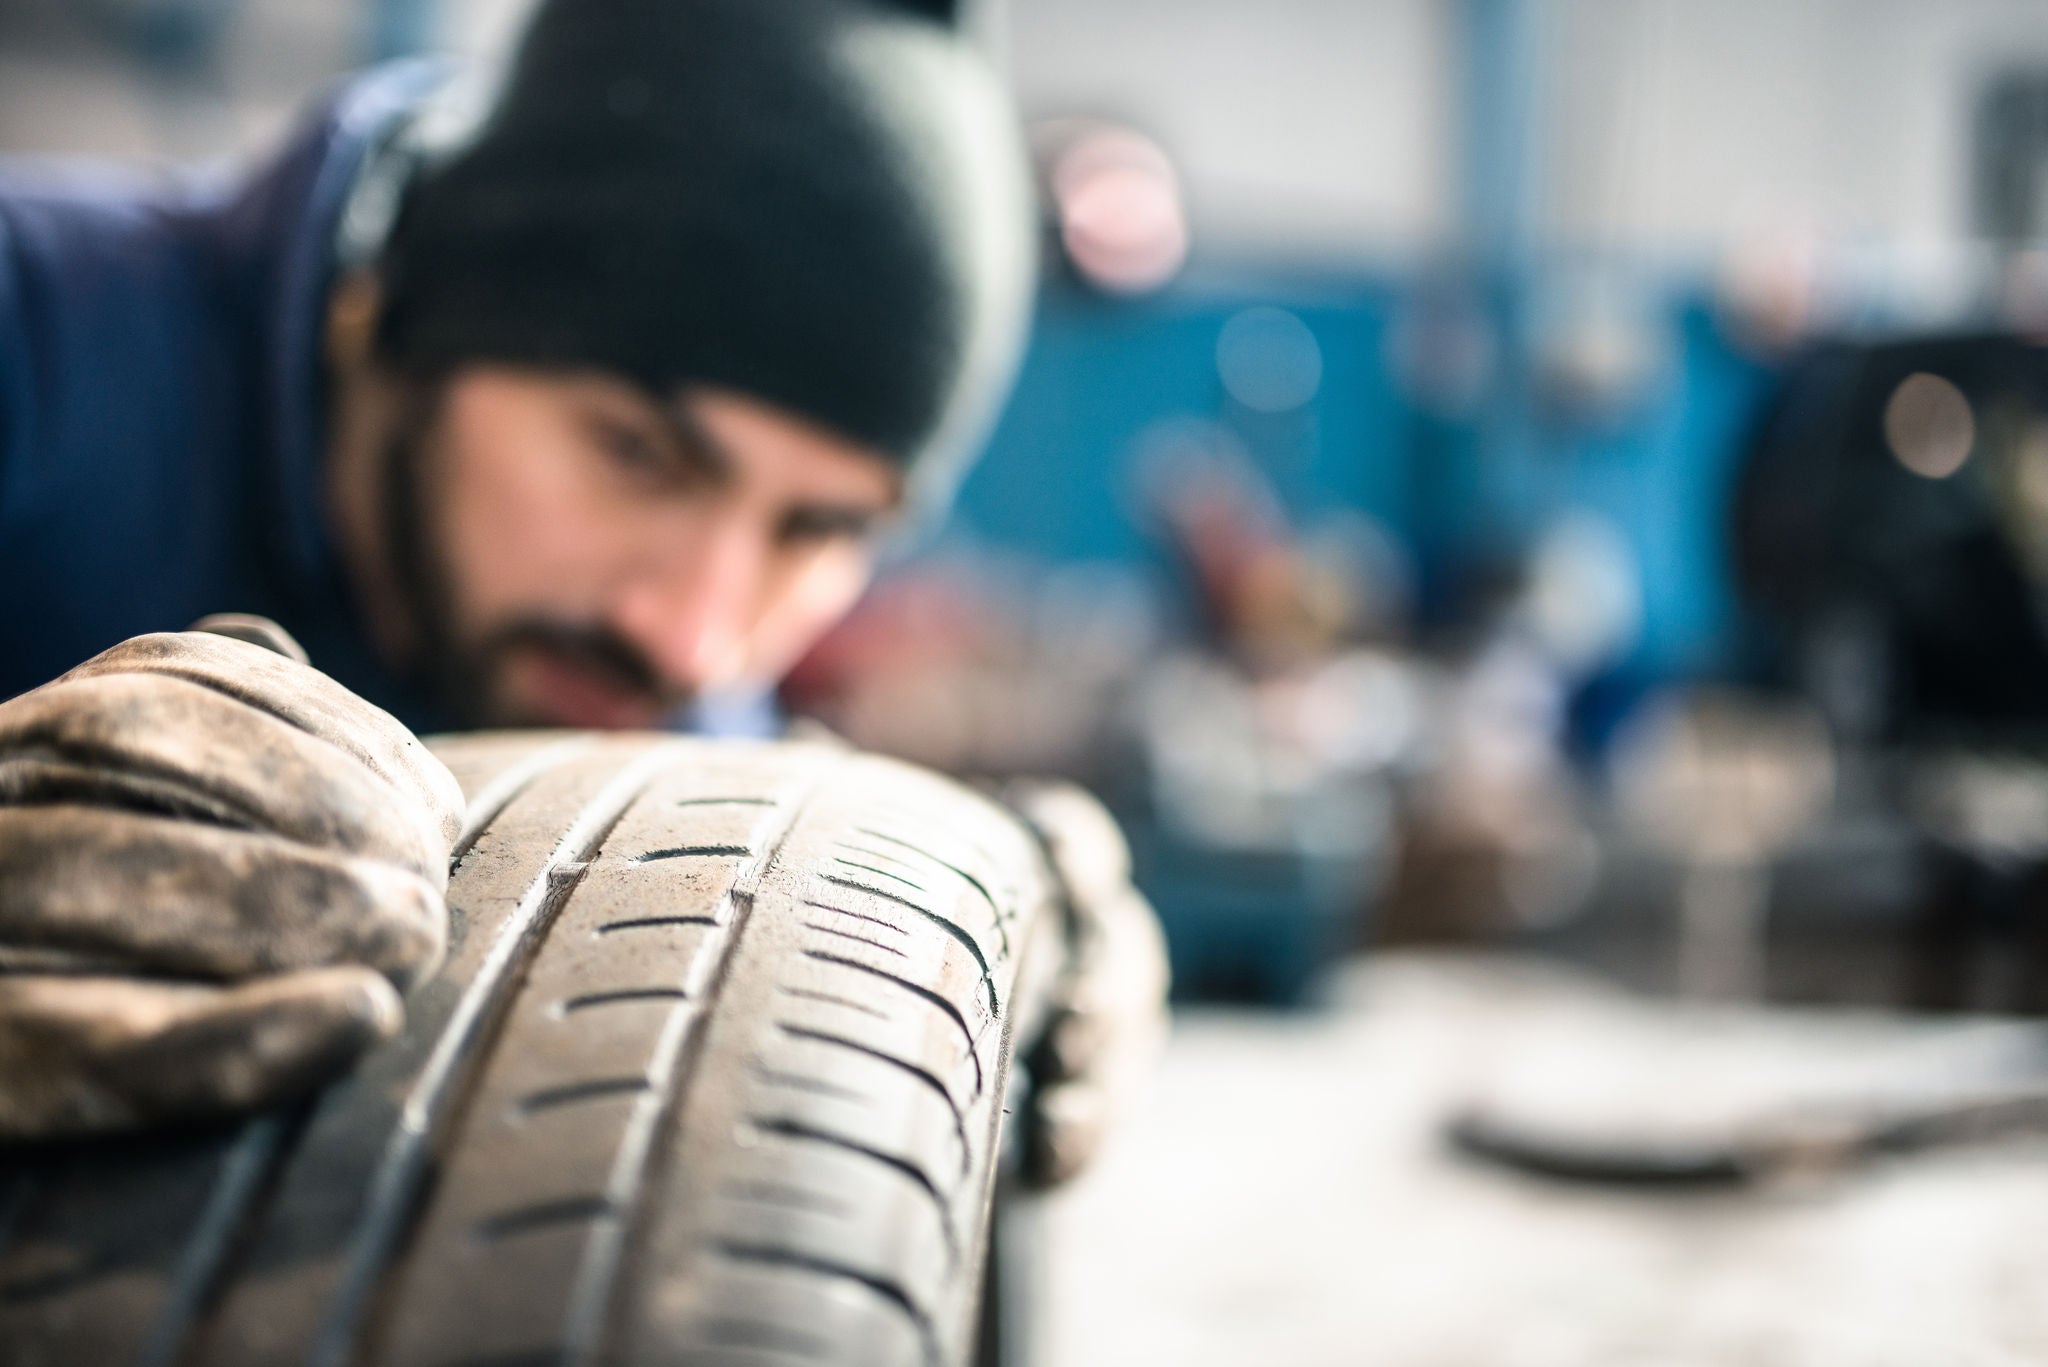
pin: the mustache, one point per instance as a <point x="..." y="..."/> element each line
<point x="595" y="648"/>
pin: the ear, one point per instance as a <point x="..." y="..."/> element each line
<point x="352" y="310"/>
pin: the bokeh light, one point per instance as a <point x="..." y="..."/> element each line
<point x="1929" y="426"/>
<point x="1269" y="360"/>
<point x="1117" y="203"/>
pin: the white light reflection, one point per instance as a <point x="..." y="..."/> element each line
<point x="1929" y="426"/>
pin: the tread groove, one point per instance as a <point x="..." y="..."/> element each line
<point x="542" y="1215"/>
<point x="916" y="1070"/>
<point x="920" y="990"/>
<point x="950" y="927"/>
<point x="644" y="922"/>
<point x="571" y="1093"/>
<point x="621" y="996"/>
<point x="689" y="852"/>
<point x="859" y="939"/>
<point x="810" y="994"/>
<point x="503" y="790"/>
<point x="860" y="916"/>
<point x="246" y="1170"/>
<point x="792" y="1197"/>
<point x="882" y="873"/>
<point x="888" y="1290"/>
<point x="852" y="848"/>
<point x="993" y="905"/>
<point x="942" y="1202"/>
<point x="799" y="1082"/>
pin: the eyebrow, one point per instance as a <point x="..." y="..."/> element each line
<point x="848" y="519"/>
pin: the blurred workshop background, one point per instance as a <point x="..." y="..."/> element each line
<point x="1554" y="476"/>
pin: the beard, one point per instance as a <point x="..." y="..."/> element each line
<point x="465" y="671"/>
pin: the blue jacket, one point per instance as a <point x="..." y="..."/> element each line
<point x="161" y="409"/>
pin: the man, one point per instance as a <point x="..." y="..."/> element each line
<point x="579" y="399"/>
<point x="449" y="402"/>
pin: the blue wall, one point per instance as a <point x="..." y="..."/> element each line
<point x="1057" y="479"/>
<point x="1057" y="482"/>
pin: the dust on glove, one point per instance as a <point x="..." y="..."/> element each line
<point x="216" y="867"/>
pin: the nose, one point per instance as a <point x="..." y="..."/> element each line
<point x="689" y="604"/>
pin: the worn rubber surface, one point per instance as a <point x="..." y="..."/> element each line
<point x="714" y="1074"/>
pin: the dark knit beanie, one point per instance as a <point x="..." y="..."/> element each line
<point x="819" y="203"/>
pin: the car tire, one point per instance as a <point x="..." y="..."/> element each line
<point x="714" y="1072"/>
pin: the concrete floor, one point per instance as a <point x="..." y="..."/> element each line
<point x="1281" y="1196"/>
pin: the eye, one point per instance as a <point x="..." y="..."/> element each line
<point x="629" y="446"/>
<point x="805" y="527"/>
<point x="646" y="448"/>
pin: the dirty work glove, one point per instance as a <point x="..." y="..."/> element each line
<point x="215" y="862"/>
<point x="1109" y="1018"/>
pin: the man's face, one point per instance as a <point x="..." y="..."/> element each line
<point x="582" y="555"/>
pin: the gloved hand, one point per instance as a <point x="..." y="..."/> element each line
<point x="1109" y="1015"/>
<point x="215" y="862"/>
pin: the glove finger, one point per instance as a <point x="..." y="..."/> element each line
<point x="1071" y="1112"/>
<point x="121" y="890"/>
<point x="1114" y="997"/>
<point x="1080" y="837"/>
<point x="85" y="1056"/>
<point x="167" y="745"/>
<point x="1068" y="1123"/>
<point x="291" y="691"/>
<point x="257" y="631"/>
<point x="1122" y="957"/>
